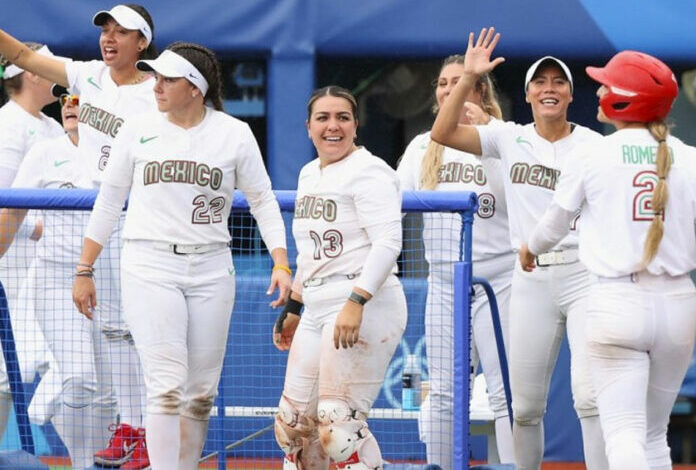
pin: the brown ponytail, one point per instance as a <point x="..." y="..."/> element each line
<point x="660" y="131"/>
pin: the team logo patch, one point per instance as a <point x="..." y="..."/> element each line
<point x="91" y="81"/>
<point x="144" y="140"/>
<point x="520" y="141"/>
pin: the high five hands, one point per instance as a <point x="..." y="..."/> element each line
<point x="477" y="59"/>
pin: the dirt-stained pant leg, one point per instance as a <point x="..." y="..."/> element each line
<point x="350" y="379"/>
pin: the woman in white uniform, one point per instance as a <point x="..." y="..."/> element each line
<point x="551" y="301"/>
<point x="75" y="342"/>
<point x="22" y="124"/>
<point x="111" y="90"/>
<point x="347" y="227"/>
<point x="636" y="190"/>
<point x="180" y="166"/>
<point x="427" y="165"/>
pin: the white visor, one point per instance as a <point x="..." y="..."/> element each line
<point x="172" y="65"/>
<point x="126" y="17"/>
<point x="12" y="70"/>
<point x="532" y="70"/>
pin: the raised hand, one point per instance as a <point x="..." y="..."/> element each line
<point x="477" y="60"/>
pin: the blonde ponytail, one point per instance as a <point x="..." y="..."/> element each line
<point x="430" y="167"/>
<point x="660" y="131"/>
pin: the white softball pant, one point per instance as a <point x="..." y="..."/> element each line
<point x="640" y="341"/>
<point x="435" y="420"/>
<point x="178" y="309"/>
<point x="545" y="304"/>
<point x="316" y="370"/>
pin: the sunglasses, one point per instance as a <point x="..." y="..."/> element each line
<point x="74" y="100"/>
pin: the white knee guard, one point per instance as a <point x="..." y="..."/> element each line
<point x="344" y="435"/>
<point x="296" y="434"/>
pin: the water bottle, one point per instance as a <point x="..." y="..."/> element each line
<point x="411" y="384"/>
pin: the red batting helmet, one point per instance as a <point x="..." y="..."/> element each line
<point x="640" y="88"/>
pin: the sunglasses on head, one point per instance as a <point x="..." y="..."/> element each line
<point x="74" y="100"/>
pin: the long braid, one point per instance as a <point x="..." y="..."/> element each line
<point x="660" y="131"/>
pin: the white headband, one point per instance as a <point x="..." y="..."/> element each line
<point x="126" y="17"/>
<point x="172" y="65"/>
<point x="12" y="70"/>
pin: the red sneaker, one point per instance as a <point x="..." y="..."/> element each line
<point x="139" y="458"/>
<point x="121" y="446"/>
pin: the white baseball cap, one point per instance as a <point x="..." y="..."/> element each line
<point x="12" y="70"/>
<point x="126" y="17"/>
<point x="535" y="66"/>
<point x="172" y="65"/>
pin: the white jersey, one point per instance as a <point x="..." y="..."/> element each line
<point x="334" y="206"/>
<point x="532" y="166"/>
<point x="613" y="182"/>
<point x="53" y="164"/>
<point x="460" y="171"/>
<point x="19" y="130"/>
<point x="182" y="181"/>
<point x="104" y="106"/>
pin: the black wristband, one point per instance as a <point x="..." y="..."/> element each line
<point x="293" y="306"/>
<point x="357" y="298"/>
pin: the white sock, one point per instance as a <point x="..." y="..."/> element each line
<point x="593" y="444"/>
<point x="74" y="426"/>
<point x="5" y="407"/>
<point x="162" y="436"/>
<point x="193" y="433"/>
<point x="503" y="440"/>
<point x="128" y="381"/>
<point x="528" y="441"/>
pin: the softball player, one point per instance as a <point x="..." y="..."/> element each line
<point x="180" y="166"/>
<point x="546" y="302"/>
<point x="111" y="91"/>
<point x="21" y="125"/>
<point x="639" y="244"/>
<point x="427" y="165"/>
<point x="347" y="228"/>
<point x="77" y="344"/>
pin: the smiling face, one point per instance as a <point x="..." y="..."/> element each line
<point x="120" y="47"/>
<point x="332" y="126"/>
<point x="549" y="93"/>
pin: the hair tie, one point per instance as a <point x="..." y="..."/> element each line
<point x="661" y="141"/>
<point x="663" y="178"/>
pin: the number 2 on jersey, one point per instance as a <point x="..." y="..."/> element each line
<point x="207" y="212"/>
<point x="642" y="201"/>
<point x="330" y="244"/>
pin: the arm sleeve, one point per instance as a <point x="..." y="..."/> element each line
<point x="11" y="153"/>
<point x="489" y="136"/>
<point x="106" y="212"/>
<point x="76" y="71"/>
<point x="570" y="191"/>
<point x="378" y="202"/>
<point x="551" y="228"/>
<point x="254" y="182"/>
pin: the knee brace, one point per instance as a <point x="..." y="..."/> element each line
<point x="344" y="435"/>
<point x="198" y="408"/>
<point x="296" y="434"/>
